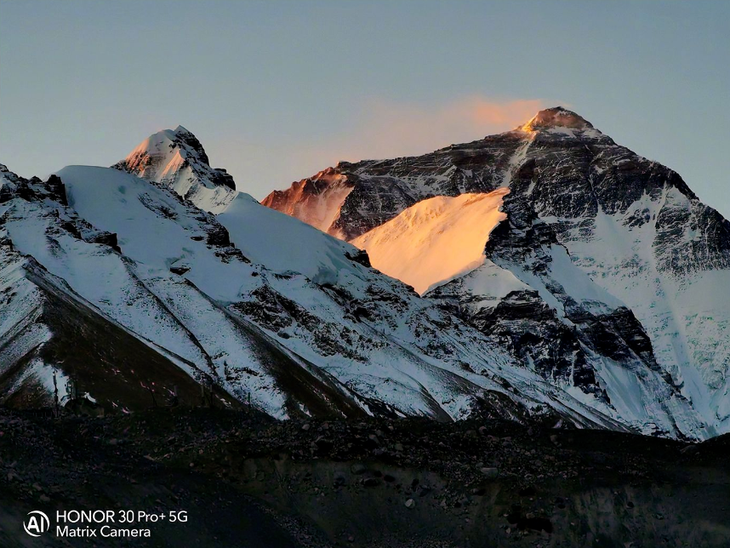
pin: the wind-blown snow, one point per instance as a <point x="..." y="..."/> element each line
<point x="435" y="240"/>
<point x="319" y="209"/>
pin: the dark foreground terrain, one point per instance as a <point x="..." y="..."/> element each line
<point x="248" y="481"/>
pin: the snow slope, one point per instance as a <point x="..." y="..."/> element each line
<point x="435" y="240"/>
<point x="285" y="244"/>
<point x="687" y="314"/>
<point x="381" y="358"/>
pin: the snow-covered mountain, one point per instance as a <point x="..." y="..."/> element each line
<point x="174" y="281"/>
<point x="176" y="159"/>
<point x="603" y="254"/>
<point x="152" y="267"/>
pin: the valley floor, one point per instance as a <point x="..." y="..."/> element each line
<point x="246" y="480"/>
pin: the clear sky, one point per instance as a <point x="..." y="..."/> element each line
<point x="278" y="90"/>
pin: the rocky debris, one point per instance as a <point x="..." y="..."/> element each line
<point x="489" y="472"/>
<point x="358" y="468"/>
<point x="543" y="492"/>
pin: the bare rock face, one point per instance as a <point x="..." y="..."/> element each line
<point x="557" y="117"/>
<point x="380" y="189"/>
<point x="316" y="200"/>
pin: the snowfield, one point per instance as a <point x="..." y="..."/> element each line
<point x="435" y="240"/>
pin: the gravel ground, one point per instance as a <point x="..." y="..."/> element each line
<point x="247" y="480"/>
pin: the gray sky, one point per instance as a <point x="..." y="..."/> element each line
<point x="278" y="90"/>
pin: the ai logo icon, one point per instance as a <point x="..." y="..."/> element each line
<point x="36" y="523"/>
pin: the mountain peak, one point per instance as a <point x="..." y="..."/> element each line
<point x="556" y="117"/>
<point x="176" y="158"/>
